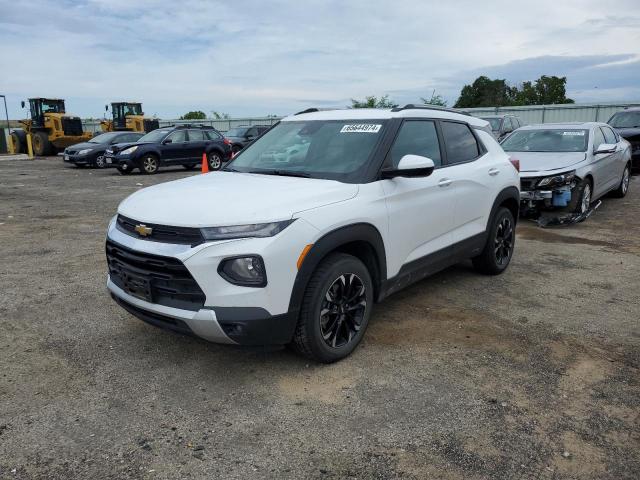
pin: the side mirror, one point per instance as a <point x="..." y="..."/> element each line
<point x="106" y="107"/>
<point x="411" y="166"/>
<point x="168" y="140"/>
<point x="605" y="148"/>
<point x="22" y="103"/>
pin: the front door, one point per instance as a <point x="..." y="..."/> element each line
<point x="175" y="147"/>
<point x="421" y="210"/>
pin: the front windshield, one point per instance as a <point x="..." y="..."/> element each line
<point x="104" y="137"/>
<point x="332" y="149"/>
<point x="625" y="120"/>
<point x="52" y="106"/>
<point x="133" y="109"/>
<point x="154" y="136"/>
<point x="551" y="140"/>
<point x="494" y="122"/>
<point x="237" y="132"/>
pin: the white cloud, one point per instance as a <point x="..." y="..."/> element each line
<point x="251" y="57"/>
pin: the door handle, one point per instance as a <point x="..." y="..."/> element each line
<point x="494" y="171"/>
<point x="445" y="182"/>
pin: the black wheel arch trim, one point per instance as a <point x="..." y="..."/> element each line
<point x="509" y="193"/>
<point x="333" y="241"/>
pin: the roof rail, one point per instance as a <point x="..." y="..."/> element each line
<point x="412" y="106"/>
<point x="308" y="110"/>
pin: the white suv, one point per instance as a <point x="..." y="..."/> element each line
<point x="323" y="215"/>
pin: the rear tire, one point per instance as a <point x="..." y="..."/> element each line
<point x="41" y="145"/>
<point x="623" y="188"/>
<point x="498" y="250"/>
<point x="17" y="143"/>
<point x="336" y="308"/>
<point x="215" y="160"/>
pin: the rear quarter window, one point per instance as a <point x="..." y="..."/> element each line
<point x="460" y="144"/>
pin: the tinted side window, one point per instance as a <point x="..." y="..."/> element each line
<point x="460" y="143"/>
<point x="598" y="138"/>
<point x="212" y="135"/>
<point x="178" y="136"/>
<point x="609" y="136"/>
<point x="196" y="136"/>
<point x="417" y="137"/>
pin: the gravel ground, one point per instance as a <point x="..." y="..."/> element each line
<point x="533" y="374"/>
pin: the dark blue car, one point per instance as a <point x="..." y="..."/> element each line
<point x="177" y="145"/>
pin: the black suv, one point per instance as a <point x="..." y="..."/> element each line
<point x="502" y="125"/>
<point x="167" y="146"/>
<point x="91" y="153"/>
<point x="242" y="136"/>
<point x="627" y="123"/>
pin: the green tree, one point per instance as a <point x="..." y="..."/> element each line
<point x="437" y="100"/>
<point x="484" y="92"/>
<point x="196" y="115"/>
<point x="373" y="102"/>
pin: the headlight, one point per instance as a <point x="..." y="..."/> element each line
<point x="246" y="271"/>
<point x="255" y="230"/>
<point x="129" y="150"/>
<point x="85" y="151"/>
<point x="557" y="180"/>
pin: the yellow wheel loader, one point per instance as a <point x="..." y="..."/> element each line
<point x="51" y="129"/>
<point x="128" y="116"/>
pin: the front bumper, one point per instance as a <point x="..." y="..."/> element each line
<point x="230" y="313"/>
<point x="535" y="195"/>
<point x="79" y="159"/>
<point x="112" y="161"/>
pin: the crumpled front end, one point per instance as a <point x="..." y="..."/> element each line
<point x="551" y="192"/>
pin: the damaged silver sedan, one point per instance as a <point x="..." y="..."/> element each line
<point x="565" y="167"/>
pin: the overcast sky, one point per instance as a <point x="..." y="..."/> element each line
<point x="277" y="57"/>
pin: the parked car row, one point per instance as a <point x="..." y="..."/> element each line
<point x="182" y="145"/>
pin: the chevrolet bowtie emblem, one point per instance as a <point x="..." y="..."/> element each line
<point x="143" y="230"/>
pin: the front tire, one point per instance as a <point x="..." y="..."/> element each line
<point x="124" y="171"/>
<point x="17" y="143"/>
<point x="498" y="250"/>
<point x="583" y="197"/>
<point x="149" y="164"/>
<point x="335" y="310"/>
<point x="100" y="163"/>
<point x="623" y="188"/>
<point x="41" y="144"/>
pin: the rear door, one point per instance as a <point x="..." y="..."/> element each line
<point x="474" y="176"/>
<point x="615" y="163"/>
<point x="196" y="142"/>
<point x="420" y="209"/>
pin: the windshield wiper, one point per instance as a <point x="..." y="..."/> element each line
<point x="229" y="169"/>
<point x="282" y="173"/>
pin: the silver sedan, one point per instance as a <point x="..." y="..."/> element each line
<point x="569" y="165"/>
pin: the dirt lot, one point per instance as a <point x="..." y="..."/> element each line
<point x="530" y="375"/>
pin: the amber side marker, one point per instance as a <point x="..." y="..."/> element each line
<point x="305" y="250"/>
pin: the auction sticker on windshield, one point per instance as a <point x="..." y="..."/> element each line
<point x="574" y="133"/>
<point x="361" y="128"/>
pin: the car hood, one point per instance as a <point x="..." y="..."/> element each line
<point x="230" y="198"/>
<point x="117" y="147"/>
<point x="81" y="146"/>
<point x="628" y="132"/>
<point x="547" y="161"/>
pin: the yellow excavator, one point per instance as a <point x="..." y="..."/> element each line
<point x="50" y="127"/>
<point x="128" y="116"/>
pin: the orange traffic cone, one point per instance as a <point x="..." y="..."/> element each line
<point x="205" y="163"/>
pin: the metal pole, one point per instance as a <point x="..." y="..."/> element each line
<point x="6" y="112"/>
